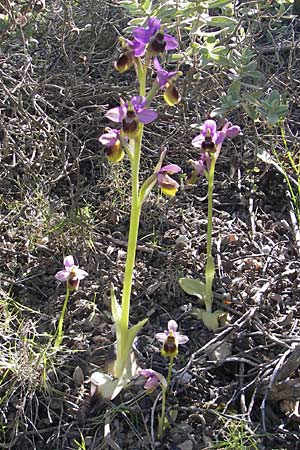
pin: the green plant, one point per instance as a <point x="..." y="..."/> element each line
<point x="149" y="42"/>
<point x="210" y="143"/>
<point x="237" y="436"/>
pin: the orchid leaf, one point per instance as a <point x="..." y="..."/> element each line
<point x="105" y="386"/>
<point x="193" y="287"/>
<point x="115" y="307"/>
<point x="210" y="320"/>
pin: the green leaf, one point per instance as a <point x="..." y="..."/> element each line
<point x="210" y="269"/>
<point x="115" y="307"/>
<point x="210" y="320"/>
<point x="147" y="5"/>
<point x="148" y="184"/>
<point x="193" y="287"/>
<point x="221" y="22"/>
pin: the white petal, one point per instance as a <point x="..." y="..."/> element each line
<point x="69" y="261"/>
<point x="161" y="337"/>
<point x="172" y="325"/>
<point x="182" y="339"/>
<point x="81" y="274"/>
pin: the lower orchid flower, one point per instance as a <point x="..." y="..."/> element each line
<point x="165" y="81"/>
<point x="111" y="140"/>
<point x="166" y="183"/>
<point x="71" y="274"/>
<point x="154" y="379"/>
<point x="132" y="113"/>
<point x="200" y="168"/>
<point x="171" y="338"/>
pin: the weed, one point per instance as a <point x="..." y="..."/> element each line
<point x="237" y="436"/>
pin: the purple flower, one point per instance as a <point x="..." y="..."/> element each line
<point x="171" y="338"/>
<point x="71" y="274"/>
<point x="210" y="139"/>
<point x="165" y="81"/>
<point x="163" y="76"/>
<point x="130" y="114"/>
<point x="200" y="167"/>
<point x="154" y="379"/>
<point x="154" y="38"/>
<point x="111" y="140"/>
<point x="166" y="183"/>
<point x="132" y="50"/>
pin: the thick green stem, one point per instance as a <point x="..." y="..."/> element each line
<point x="209" y="272"/>
<point x="124" y="340"/>
<point x="133" y="232"/>
<point x="59" y="331"/>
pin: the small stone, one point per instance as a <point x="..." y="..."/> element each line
<point x="186" y="445"/>
<point x="182" y="242"/>
<point x="78" y="376"/>
<point x="221" y="352"/>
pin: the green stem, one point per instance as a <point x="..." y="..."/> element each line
<point x="170" y="370"/>
<point x="59" y="330"/>
<point x="209" y="272"/>
<point x="161" y="419"/>
<point x="133" y="231"/>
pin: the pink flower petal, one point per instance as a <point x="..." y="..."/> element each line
<point x="109" y="139"/>
<point x="147" y="115"/>
<point x="147" y="372"/>
<point x="182" y="339"/>
<point x="172" y="325"/>
<point x="62" y="275"/>
<point x="233" y="131"/>
<point x="197" y="141"/>
<point x="170" y="168"/>
<point x="117" y="114"/>
<point x="138" y="102"/>
<point x="172" y="43"/>
<point x="69" y="262"/>
<point x="209" y="125"/>
<point x="81" y="274"/>
<point x="161" y="336"/>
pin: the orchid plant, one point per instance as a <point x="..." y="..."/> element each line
<point x="171" y="339"/>
<point x="142" y="53"/>
<point x="72" y="275"/>
<point x="209" y="141"/>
